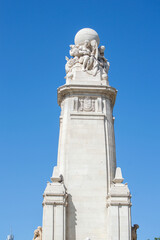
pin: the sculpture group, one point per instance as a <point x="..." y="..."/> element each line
<point x="89" y="57"/>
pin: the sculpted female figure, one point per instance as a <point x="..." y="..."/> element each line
<point x="104" y="64"/>
<point x="93" y="63"/>
<point x="85" y="52"/>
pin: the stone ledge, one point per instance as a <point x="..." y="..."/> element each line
<point x="119" y="204"/>
<point x="55" y="203"/>
<point x="105" y="91"/>
<point x="86" y="115"/>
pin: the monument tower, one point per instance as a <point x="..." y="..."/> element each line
<point x="86" y="198"/>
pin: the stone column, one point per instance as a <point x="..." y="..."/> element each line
<point x="54" y="211"/>
<point x="119" y="210"/>
<point x="87" y="156"/>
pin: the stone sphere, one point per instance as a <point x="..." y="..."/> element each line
<point x="86" y="34"/>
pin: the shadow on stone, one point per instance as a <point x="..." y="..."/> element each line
<point x="71" y="219"/>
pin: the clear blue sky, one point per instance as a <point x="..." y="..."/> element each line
<point x="34" y="39"/>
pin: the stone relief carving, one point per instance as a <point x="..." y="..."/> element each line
<point x="89" y="58"/>
<point x="38" y="234"/>
<point x="134" y="231"/>
<point x="87" y="104"/>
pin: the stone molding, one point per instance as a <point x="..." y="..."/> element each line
<point x="55" y="194"/>
<point x="119" y="199"/>
<point x="119" y="195"/>
<point x="90" y="116"/>
<point x="55" y="203"/>
<point x="71" y="90"/>
<point x="118" y="203"/>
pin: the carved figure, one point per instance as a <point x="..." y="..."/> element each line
<point x="134" y="231"/>
<point x="85" y="51"/>
<point x="104" y="64"/>
<point x="74" y="51"/>
<point x="68" y="67"/>
<point x="94" y="58"/>
<point x="87" y="56"/>
<point x="38" y="234"/>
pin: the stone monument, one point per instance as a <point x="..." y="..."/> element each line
<point x="86" y="198"/>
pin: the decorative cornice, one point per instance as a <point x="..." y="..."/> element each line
<point x="91" y="116"/>
<point x="64" y="203"/>
<point x="72" y="89"/>
<point x="112" y="203"/>
<point x="54" y="194"/>
<point x="119" y="195"/>
<point x="55" y="199"/>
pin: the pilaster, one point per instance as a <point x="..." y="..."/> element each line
<point x="119" y="210"/>
<point x="54" y="210"/>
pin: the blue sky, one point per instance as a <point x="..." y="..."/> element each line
<point x="34" y="39"/>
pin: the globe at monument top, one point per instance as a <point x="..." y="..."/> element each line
<point x="86" y="34"/>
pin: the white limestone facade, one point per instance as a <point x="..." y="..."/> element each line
<point x="86" y="198"/>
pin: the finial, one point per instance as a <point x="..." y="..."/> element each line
<point x="56" y="177"/>
<point x="118" y="177"/>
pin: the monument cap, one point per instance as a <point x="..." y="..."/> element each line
<point x="86" y="34"/>
<point x="118" y="177"/>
